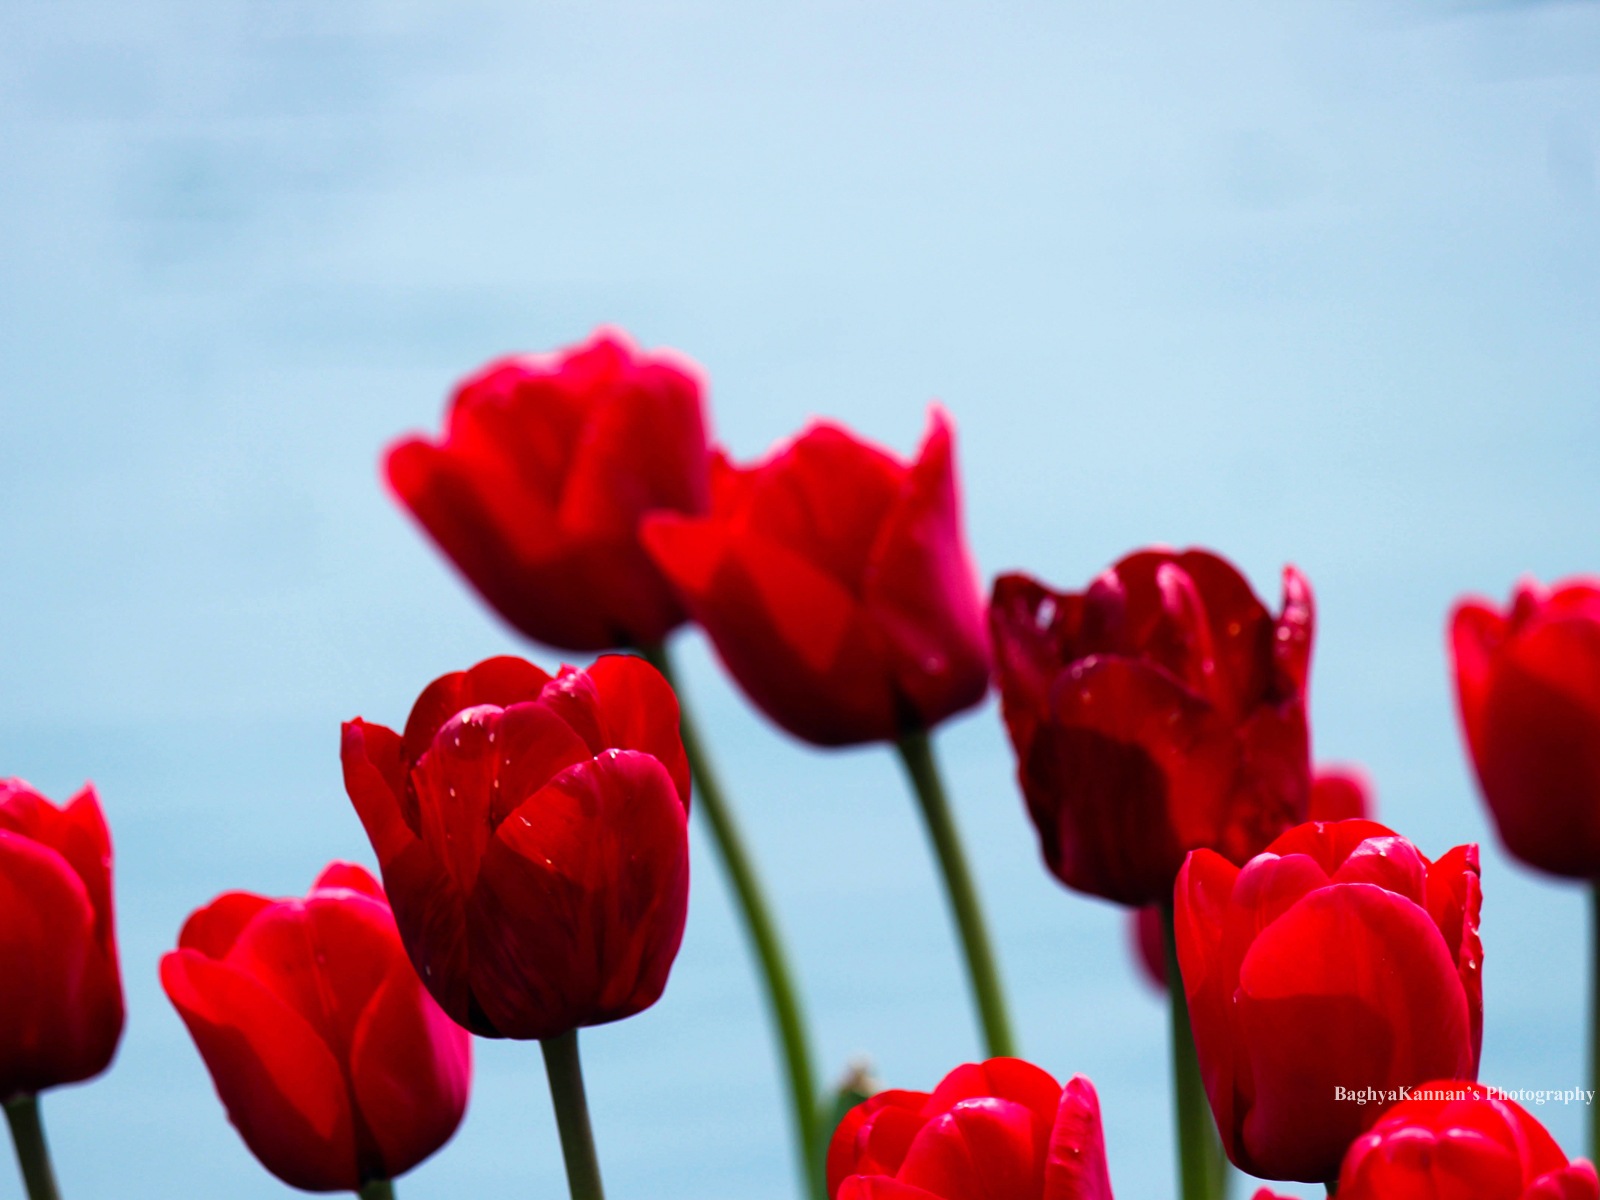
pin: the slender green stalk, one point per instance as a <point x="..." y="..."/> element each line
<point x="1594" y="1019"/>
<point x="565" y="1072"/>
<point x="783" y="996"/>
<point x="1202" y="1168"/>
<point x="377" y="1189"/>
<point x="1333" y="1187"/>
<point x="916" y="753"/>
<point x="27" y="1132"/>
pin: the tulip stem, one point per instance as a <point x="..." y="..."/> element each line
<point x="565" y="1073"/>
<point x="916" y="753"/>
<point x="1202" y="1167"/>
<point x="377" y="1189"/>
<point x="27" y="1131"/>
<point x="783" y="996"/>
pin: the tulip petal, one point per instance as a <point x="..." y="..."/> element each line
<point x="1476" y="633"/>
<point x="350" y="877"/>
<point x="1075" y="1164"/>
<point x="601" y="853"/>
<point x="921" y="590"/>
<point x="212" y="930"/>
<point x="410" y="1069"/>
<point x="61" y="1007"/>
<point x="874" y="1136"/>
<point x="281" y="1085"/>
<point x="375" y="781"/>
<point x="501" y="681"/>
<point x="980" y="1149"/>
<point x="881" y="1187"/>
<point x="623" y="703"/>
<point x="1386" y="1011"/>
<point x="1574" y="1182"/>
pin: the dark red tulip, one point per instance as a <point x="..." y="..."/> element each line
<point x="1161" y="710"/>
<point x="1461" y="1141"/>
<point x="334" y="1064"/>
<point x="533" y="838"/>
<point x="537" y="485"/>
<point x="61" y="1000"/>
<point x="1337" y="794"/>
<point x="1340" y="958"/>
<point x="1001" y="1128"/>
<point x="1528" y="687"/>
<point x="835" y="583"/>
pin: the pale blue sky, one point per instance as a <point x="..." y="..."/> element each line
<point x="1311" y="281"/>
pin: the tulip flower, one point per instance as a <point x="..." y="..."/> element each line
<point x="535" y="489"/>
<point x="1528" y="688"/>
<point x="1001" y="1128"/>
<point x="1461" y="1140"/>
<point x="835" y="584"/>
<point x="335" y="1065"/>
<point x="1159" y="711"/>
<point x="532" y="837"/>
<point x="1339" y="958"/>
<point x="61" y="1004"/>
<point x="1337" y="794"/>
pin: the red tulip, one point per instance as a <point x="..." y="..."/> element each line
<point x="536" y="488"/>
<point x="835" y="583"/>
<point x="1340" y="958"/>
<point x="533" y="838"/>
<point x="1159" y="711"/>
<point x="1338" y="793"/>
<point x="61" y="1003"/>
<point x="333" y="1063"/>
<point x="1002" y="1128"/>
<point x="1462" y="1141"/>
<point x="1528" y="686"/>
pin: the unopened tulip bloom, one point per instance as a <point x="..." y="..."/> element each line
<point x="532" y="836"/>
<point x="1339" y="958"/>
<point x="1161" y="710"/>
<point x="835" y="583"/>
<point x="61" y="1001"/>
<point x="1001" y="1128"/>
<point x="1460" y="1140"/>
<point x="1337" y="794"/>
<point x="536" y="486"/>
<point x="1528" y="688"/>
<point x="334" y="1064"/>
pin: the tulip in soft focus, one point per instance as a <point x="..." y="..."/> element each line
<point x="61" y="1000"/>
<point x="1338" y="958"/>
<point x="536" y="487"/>
<point x="1338" y="793"/>
<point x="835" y="583"/>
<point x="333" y="1062"/>
<point x="1459" y="1140"/>
<point x="1161" y="710"/>
<point x="998" y="1129"/>
<point x="1528" y="688"/>
<point x="533" y="838"/>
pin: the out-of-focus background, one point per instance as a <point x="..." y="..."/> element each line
<point x="1314" y="282"/>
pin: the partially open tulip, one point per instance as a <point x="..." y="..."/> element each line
<point x="1337" y="794"/>
<point x="334" y="1064"/>
<point x="1528" y="687"/>
<point x="1002" y="1128"/>
<point x="536" y="487"/>
<point x="834" y="581"/>
<point x="1161" y="710"/>
<point x="533" y="838"/>
<point x="1462" y="1141"/>
<point x="1340" y="958"/>
<point x="61" y="996"/>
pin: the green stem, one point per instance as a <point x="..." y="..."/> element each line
<point x="1202" y="1167"/>
<point x="1594" y="1018"/>
<point x="783" y="996"/>
<point x="565" y="1073"/>
<point x="916" y="753"/>
<point x="377" y="1189"/>
<point x="27" y="1132"/>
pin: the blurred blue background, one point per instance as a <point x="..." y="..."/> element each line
<point x="1314" y="281"/>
